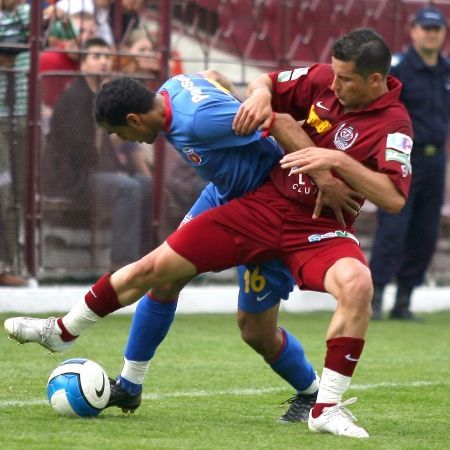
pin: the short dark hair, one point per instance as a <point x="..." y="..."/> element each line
<point x="93" y="42"/>
<point x="367" y="49"/>
<point x="121" y="96"/>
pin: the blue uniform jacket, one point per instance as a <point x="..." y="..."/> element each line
<point x="426" y="94"/>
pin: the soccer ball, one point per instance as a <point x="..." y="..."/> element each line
<point x="78" y="387"/>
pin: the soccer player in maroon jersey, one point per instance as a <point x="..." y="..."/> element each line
<point x="352" y="111"/>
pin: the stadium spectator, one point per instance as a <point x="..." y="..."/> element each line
<point x="275" y="220"/>
<point x="75" y="6"/>
<point x="100" y="9"/>
<point x="87" y="164"/>
<point x="102" y="14"/>
<point x="66" y="36"/>
<point x="14" y="66"/>
<point x="404" y="243"/>
<point x="140" y="42"/>
<point x="130" y="19"/>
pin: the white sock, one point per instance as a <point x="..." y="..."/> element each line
<point x="333" y="385"/>
<point x="313" y="387"/>
<point x="134" y="371"/>
<point x="79" y="318"/>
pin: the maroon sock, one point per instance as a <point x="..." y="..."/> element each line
<point x="101" y="298"/>
<point x="318" y="408"/>
<point x="342" y="356"/>
<point x="65" y="335"/>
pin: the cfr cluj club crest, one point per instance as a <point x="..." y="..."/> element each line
<point x="195" y="158"/>
<point x="345" y="137"/>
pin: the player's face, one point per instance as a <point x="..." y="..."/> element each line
<point x="351" y="89"/>
<point x="132" y="133"/>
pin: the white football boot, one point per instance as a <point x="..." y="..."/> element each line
<point x="45" y="332"/>
<point x="337" y="420"/>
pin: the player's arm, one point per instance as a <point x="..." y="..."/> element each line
<point x="288" y="133"/>
<point x="375" y="186"/>
<point x="256" y="111"/>
<point x="220" y="78"/>
<point x="333" y="192"/>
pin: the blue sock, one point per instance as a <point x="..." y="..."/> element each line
<point x="292" y="364"/>
<point x="131" y="388"/>
<point x="151" y="322"/>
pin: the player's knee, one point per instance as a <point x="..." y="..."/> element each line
<point x="259" y="338"/>
<point x="360" y="295"/>
<point x="250" y="333"/>
<point x="166" y="292"/>
<point x="149" y="271"/>
<point x="358" y="290"/>
<point x="141" y="273"/>
<point x="162" y="270"/>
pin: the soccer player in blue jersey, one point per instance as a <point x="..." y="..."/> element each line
<point x="198" y="113"/>
<point x="195" y="114"/>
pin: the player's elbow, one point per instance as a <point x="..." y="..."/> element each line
<point x="395" y="205"/>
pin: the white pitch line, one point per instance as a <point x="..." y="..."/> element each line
<point x="237" y="392"/>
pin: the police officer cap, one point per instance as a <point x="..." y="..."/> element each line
<point x="430" y="16"/>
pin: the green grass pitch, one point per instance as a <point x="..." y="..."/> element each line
<point x="207" y="390"/>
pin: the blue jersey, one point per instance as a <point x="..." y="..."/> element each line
<point x="200" y="114"/>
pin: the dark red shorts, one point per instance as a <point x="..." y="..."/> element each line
<point x="262" y="226"/>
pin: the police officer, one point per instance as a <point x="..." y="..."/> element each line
<point x="404" y="243"/>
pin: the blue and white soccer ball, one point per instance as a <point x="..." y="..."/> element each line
<point x="78" y="387"/>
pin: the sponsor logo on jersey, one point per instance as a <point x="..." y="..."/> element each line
<point x="320" y="125"/>
<point x="345" y="137"/>
<point x="196" y="92"/>
<point x="400" y="142"/>
<point x="304" y="183"/>
<point x="191" y="155"/>
<point x="405" y="170"/>
<point x="398" y="148"/>
<point x="394" y="155"/>
<point x="291" y="75"/>
<point x="284" y="76"/>
<point x="331" y="235"/>
<point x="297" y="73"/>
<point x="321" y="105"/>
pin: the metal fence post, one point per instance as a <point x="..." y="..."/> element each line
<point x="33" y="138"/>
<point x="165" y="10"/>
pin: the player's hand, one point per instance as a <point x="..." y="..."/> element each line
<point x="310" y="159"/>
<point x="255" y="112"/>
<point x="336" y="195"/>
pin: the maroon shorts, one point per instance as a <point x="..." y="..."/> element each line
<point x="262" y="226"/>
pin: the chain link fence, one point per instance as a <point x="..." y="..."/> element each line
<point x="75" y="214"/>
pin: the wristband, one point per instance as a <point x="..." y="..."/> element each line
<point x="266" y="132"/>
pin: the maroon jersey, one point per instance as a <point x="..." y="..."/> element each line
<point x="378" y="136"/>
<point x="269" y="223"/>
